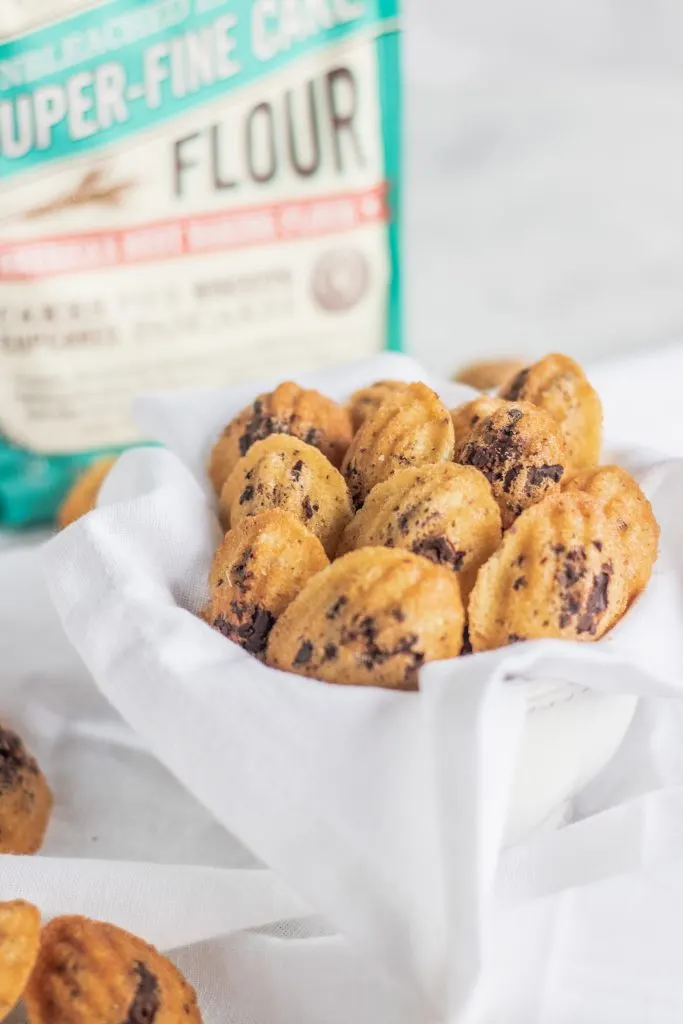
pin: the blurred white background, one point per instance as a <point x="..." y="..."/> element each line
<point x="545" y="177"/>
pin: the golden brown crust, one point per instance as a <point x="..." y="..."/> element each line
<point x="284" y="472"/>
<point x="25" y="797"/>
<point x="89" y="972"/>
<point x="19" y="943"/>
<point x="288" y="409"/>
<point x="521" y="453"/>
<point x="445" y="512"/>
<point x="366" y="401"/>
<point x="488" y="373"/>
<point x="413" y="428"/>
<point x="82" y="497"/>
<point x="626" y="506"/>
<point x="559" y="572"/>
<point x="258" y="570"/>
<point x="373" y="618"/>
<point x="558" y="385"/>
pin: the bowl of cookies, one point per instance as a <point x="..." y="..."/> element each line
<point x="365" y="540"/>
<point x="356" y="535"/>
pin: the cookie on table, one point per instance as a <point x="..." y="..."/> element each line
<point x="289" y="409"/>
<point x="445" y="512"/>
<point x="558" y="385"/>
<point x="373" y="618"/>
<point x="559" y="573"/>
<point x="520" y="451"/>
<point x="465" y="417"/>
<point x="486" y="374"/>
<point x="82" y="497"/>
<point x="624" y="503"/>
<point x="412" y="428"/>
<point x="89" y="972"/>
<point x="366" y="401"/>
<point x="25" y="797"/>
<point x="284" y="472"/>
<point x="19" y="943"/>
<point x="261" y="566"/>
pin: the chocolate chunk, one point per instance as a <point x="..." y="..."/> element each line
<point x="261" y="426"/>
<point x="331" y="652"/>
<point x="441" y="551"/>
<point x="313" y="436"/>
<point x="596" y="602"/>
<point x="239" y="574"/>
<point x="304" y="654"/>
<point x="520" y="560"/>
<point x="246" y="495"/>
<point x="597" y="544"/>
<point x="354" y="481"/>
<point x="497" y="451"/>
<point x="515" y="638"/>
<point x="404" y="519"/>
<point x="253" y="629"/>
<point x="520" y="583"/>
<point x="296" y="470"/>
<point x="538" y="474"/>
<point x="14" y="760"/>
<point x="309" y="509"/>
<point x="573" y="568"/>
<point x="558" y="549"/>
<point x="570" y="608"/>
<point x="510" y="477"/>
<point x="145" y="1005"/>
<point x="337" y="607"/>
<point x="398" y="614"/>
<point x="515" y="389"/>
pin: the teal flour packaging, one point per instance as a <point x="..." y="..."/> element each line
<point x="191" y="192"/>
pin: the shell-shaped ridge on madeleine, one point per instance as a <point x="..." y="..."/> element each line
<point x="411" y="428"/>
<point x="283" y="472"/>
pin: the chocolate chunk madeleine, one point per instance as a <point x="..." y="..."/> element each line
<point x="559" y="386"/>
<point x="289" y="409"/>
<point x="25" y="797"/>
<point x="258" y="570"/>
<point x="373" y="618"/>
<point x="89" y="972"/>
<point x="560" y="572"/>
<point x="364" y="403"/>
<point x="445" y="512"/>
<point x="520" y="451"/>
<point x="19" y="942"/>
<point x="412" y="428"/>
<point x="283" y="472"/>
<point x="625" y="505"/>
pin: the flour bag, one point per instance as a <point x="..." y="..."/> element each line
<point x="190" y="191"/>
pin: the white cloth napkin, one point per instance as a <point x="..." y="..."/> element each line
<point x="385" y="811"/>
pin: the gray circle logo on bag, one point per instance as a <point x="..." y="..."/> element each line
<point x="340" y="280"/>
